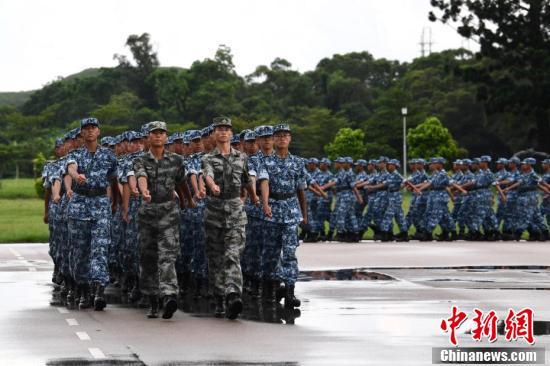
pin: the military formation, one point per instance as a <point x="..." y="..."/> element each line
<point x="216" y="214"/>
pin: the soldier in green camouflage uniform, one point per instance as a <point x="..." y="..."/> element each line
<point x="225" y="172"/>
<point x="159" y="173"/>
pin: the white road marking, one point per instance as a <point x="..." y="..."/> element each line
<point x="32" y="269"/>
<point x="72" y="322"/>
<point x="63" y="310"/>
<point x="96" y="353"/>
<point x="83" y="336"/>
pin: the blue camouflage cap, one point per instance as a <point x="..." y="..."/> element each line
<point x="420" y="161"/>
<point x="502" y="161"/>
<point x="546" y="162"/>
<point x="206" y="131"/>
<point x="394" y="162"/>
<point x="373" y="161"/>
<point x="466" y="162"/>
<point x="485" y="159"/>
<point x="186" y="136"/>
<point x="194" y="134"/>
<point x="235" y="139"/>
<point x="348" y="159"/>
<point x="89" y="121"/>
<point x="250" y="136"/>
<point x="264" y="131"/>
<point x="361" y="162"/>
<point x="178" y="136"/>
<point x="313" y="161"/>
<point x="383" y="159"/>
<point x="58" y="142"/>
<point x="325" y="161"/>
<point x="514" y="160"/>
<point x="413" y="161"/>
<point x="125" y="136"/>
<point x="530" y="161"/>
<point x="169" y="140"/>
<point x="339" y="160"/>
<point x="145" y="129"/>
<point x="104" y="141"/>
<point x="476" y="160"/>
<point x="281" y="127"/>
<point x="243" y="133"/>
<point x="457" y="162"/>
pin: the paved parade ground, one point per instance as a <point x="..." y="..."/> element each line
<point x="363" y="304"/>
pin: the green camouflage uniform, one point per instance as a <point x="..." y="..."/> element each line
<point x="159" y="223"/>
<point x="225" y="220"/>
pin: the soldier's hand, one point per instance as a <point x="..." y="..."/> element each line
<point x="304" y="221"/>
<point x="215" y="190"/>
<point x="81" y="179"/>
<point x="267" y="211"/>
<point x="45" y="218"/>
<point x="359" y="200"/>
<point x="69" y="194"/>
<point x="134" y="192"/>
<point x="56" y="198"/>
<point x="146" y="196"/>
<point x="125" y="217"/>
<point x="191" y="203"/>
<point x="256" y="200"/>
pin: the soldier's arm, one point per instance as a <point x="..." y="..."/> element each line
<point x="125" y="201"/>
<point x="47" y="196"/>
<point x="511" y="187"/>
<point x="72" y="171"/>
<point x="423" y="186"/>
<point x="185" y="193"/>
<point x="264" y="185"/>
<point x="56" y="190"/>
<point x="303" y="204"/>
<point x="328" y="185"/>
<point x="358" y="196"/>
<point x="68" y="181"/>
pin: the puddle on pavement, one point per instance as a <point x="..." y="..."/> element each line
<point x="344" y="275"/>
<point x="85" y="362"/>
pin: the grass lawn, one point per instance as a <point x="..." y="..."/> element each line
<point x="17" y="188"/>
<point x="21" y="221"/>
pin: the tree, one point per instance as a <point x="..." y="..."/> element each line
<point x="430" y="139"/>
<point x="513" y="64"/>
<point x="347" y="142"/>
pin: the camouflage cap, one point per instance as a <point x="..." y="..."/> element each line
<point x="243" y="133"/>
<point x="466" y="162"/>
<point x="413" y="161"/>
<point x="250" y="136"/>
<point x="476" y="160"/>
<point x="156" y="125"/>
<point x="373" y="161"/>
<point x="325" y="161"/>
<point x="264" y="131"/>
<point x="383" y="159"/>
<point x="530" y="161"/>
<point x="145" y="129"/>
<point x="313" y="161"/>
<point x="104" y="141"/>
<point x="186" y="136"/>
<point x="546" y="162"/>
<point x="281" y="127"/>
<point x="221" y="121"/>
<point x="361" y="162"/>
<point x="178" y="136"/>
<point x="457" y="162"/>
<point x="339" y="160"/>
<point x="514" y="160"/>
<point x="207" y="131"/>
<point x="485" y="159"/>
<point x="58" y="142"/>
<point x="502" y="161"/>
<point x="89" y="121"/>
<point x="394" y="162"/>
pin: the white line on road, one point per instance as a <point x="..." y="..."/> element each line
<point x="72" y="322"/>
<point x="32" y="269"/>
<point x="63" y="310"/>
<point x="83" y="336"/>
<point x="96" y="353"/>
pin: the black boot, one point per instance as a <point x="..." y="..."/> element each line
<point x="154" y="307"/>
<point x="219" y="311"/>
<point x="517" y="235"/>
<point x="170" y="306"/>
<point x="234" y="305"/>
<point x="199" y="282"/>
<point x="330" y="235"/>
<point x="426" y="236"/>
<point x="402" y="236"/>
<point x="444" y="236"/>
<point x="544" y="235"/>
<point x="99" y="299"/>
<point x="84" y="302"/>
<point x="533" y="235"/>
<point x="255" y="288"/>
<point x="290" y="300"/>
<point x="71" y="293"/>
<point x="302" y="235"/>
<point x="385" y="236"/>
<point x="453" y="236"/>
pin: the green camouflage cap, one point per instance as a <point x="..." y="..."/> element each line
<point x="157" y="125"/>
<point x="221" y="121"/>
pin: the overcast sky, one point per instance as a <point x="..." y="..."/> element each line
<point x="41" y="40"/>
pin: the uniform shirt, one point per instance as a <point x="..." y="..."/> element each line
<point x="502" y="174"/>
<point x="286" y="176"/>
<point x="439" y="180"/>
<point x="162" y="175"/>
<point x="528" y="181"/>
<point x="322" y="179"/>
<point x="456" y="177"/>
<point x="484" y="179"/>
<point x="99" y="168"/>
<point x="256" y="169"/>
<point x="393" y="181"/>
<point x="230" y="173"/>
<point x="345" y="180"/>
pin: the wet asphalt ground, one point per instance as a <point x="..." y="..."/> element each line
<point x="362" y="304"/>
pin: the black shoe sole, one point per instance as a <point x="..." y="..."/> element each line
<point x="219" y="314"/>
<point x="152" y="316"/>
<point x="234" y="309"/>
<point x="169" y="309"/>
<point x="99" y="304"/>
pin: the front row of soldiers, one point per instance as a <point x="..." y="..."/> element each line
<point x="370" y="198"/>
<point x="163" y="217"/>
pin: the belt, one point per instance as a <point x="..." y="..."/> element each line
<point x="161" y="199"/>
<point x="342" y="189"/>
<point x="529" y="189"/>
<point x="281" y="196"/>
<point x="91" y="192"/>
<point x="226" y="196"/>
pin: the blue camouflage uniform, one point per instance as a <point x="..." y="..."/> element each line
<point x="361" y="177"/>
<point x="437" y="210"/>
<point x="286" y="177"/>
<point x="322" y="214"/>
<point x="394" y="209"/>
<point x="511" y="210"/>
<point x="528" y="217"/>
<point x="89" y="213"/>
<point x="483" y="212"/>
<point x="344" y="217"/>
<point x="417" y="208"/>
<point x="500" y="176"/>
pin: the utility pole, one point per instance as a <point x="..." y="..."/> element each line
<point x="426" y="31"/>
<point x="404" y="114"/>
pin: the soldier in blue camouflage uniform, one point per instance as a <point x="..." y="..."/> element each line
<point x="322" y="214"/>
<point x="285" y="209"/>
<point x="527" y="186"/>
<point x="360" y="176"/>
<point x="131" y="201"/>
<point x="456" y="177"/>
<point x="545" y="205"/>
<point x="467" y="207"/>
<point x="199" y="264"/>
<point x="484" y="215"/>
<point x="500" y="176"/>
<point x="415" y="216"/>
<point x="379" y="198"/>
<point x="437" y="210"/>
<point x="366" y="219"/>
<point x="394" y="209"/>
<point x="310" y="232"/>
<point x="511" y="209"/>
<point x="93" y="171"/>
<point x="251" y="260"/>
<point x="345" y="220"/>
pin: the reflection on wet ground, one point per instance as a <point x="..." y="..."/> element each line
<point x="110" y="362"/>
<point x="344" y="275"/>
